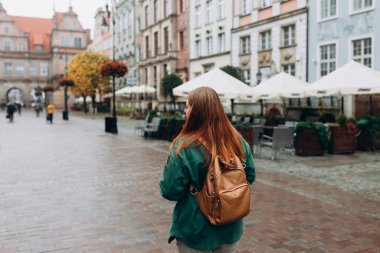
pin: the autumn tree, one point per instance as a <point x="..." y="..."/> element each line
<point x="84" y="71"/>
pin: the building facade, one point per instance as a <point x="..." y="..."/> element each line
<point x="269" y="37"/>
<point x="35" y="52"/>
<point x="163" y="42"/>
<point x="340" y="31"/>
<point x="101" y="41"/>
<point x="125" y="40"/>
<point x="210" y="23"/>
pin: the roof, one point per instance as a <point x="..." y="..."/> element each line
<point x="39" y="30"/>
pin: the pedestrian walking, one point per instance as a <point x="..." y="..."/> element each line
<point x="11" y="108"/>
<point x="50" y="112"/>
<point x="207" y="135"/>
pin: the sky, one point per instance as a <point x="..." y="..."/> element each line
<point x="44" y="9"/>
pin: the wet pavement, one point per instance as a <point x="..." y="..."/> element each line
<point x="70" y="187"/>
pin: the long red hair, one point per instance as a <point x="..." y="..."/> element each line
<point x="209" y="124"/>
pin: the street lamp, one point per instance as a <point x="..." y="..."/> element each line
<point x="258" y="81"/>
<point x="111" y="122"/>
<point x="65" y="113"/>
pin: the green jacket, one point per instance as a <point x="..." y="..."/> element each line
<point x="188" y="223"/>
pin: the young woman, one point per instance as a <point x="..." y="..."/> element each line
<point x="206" y="125"/>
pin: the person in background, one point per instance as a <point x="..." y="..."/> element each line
<point x="50" y="112"/>
<point x="11" y="108"/>
<point x="206" y="125"/>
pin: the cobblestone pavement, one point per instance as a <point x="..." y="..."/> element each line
<point x="69" y="188"/>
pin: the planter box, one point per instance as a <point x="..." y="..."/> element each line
<point x="247" y="134"/>
<point x="307" y="143"/>
<point x="364" y="142"/>
<point x="341" y="142"/>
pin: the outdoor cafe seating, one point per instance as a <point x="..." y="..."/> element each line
<point x="282" y="140"/>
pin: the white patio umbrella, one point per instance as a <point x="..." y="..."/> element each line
<point x="224" y="84"/>
<point x="351" y="79"/>
<point x="281" y="85"/>
<point x="143" y="89"/>
<point x="80" y="100"/>
<point x="123" y="91"/>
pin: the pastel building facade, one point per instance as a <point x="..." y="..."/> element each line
<point x="269" y="37"/>
<point x="35" y="52"/>
<point x="210" y="23"/>
<point x="340" y="31"/>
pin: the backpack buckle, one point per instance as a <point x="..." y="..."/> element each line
<point x="193" y="190"/>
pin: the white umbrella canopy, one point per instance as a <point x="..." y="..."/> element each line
<point x="281" y="85"/>
<point x="123" y="91"/>
<point x="143" y="89"/>
<point x="351" y="79"/>
<point x="80" y="100"/>
<point x="224" y="84"/>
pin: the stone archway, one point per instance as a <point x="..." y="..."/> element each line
<point x="15" y="94"/>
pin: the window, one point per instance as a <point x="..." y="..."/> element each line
<point x="362" y="51"/>
<point x="327" y="8"/>
<point x="166" y="39"/>
<point x="266" y="3"/>
<point x="221" y="42"/>
<point x="155" y="43"/>
<point x="290" y="69"/>
<point x="146" y="15"/>
<point x="197" y="16"/>
<point x="181" y="40"/>
<point x="166" y="69"/>
<point x="289" y="35"/>
<point x="198" y="48"/>
<point x="266" y="40"/>
<point x="146" y="75"/>
<point x="221" y="9"/>
<point x="7" y="45"/>
<point x="328" y="59"/>
<point x="7" y="68"/>
<point x="7" y="30"/>
<point x="362" y="4"/>
<point x="33" y="68"/>
<point x="155" y="75"/>
<point x="245" y="7"/>
<point x="181" y="6"/>
<point x="245" y="45"/>
<point x="166" y="8"/>
<point x="247" y="76"/>
<point x="147" y="54"/>
<point x="209" y="45"/>
<point x="65" y="41"/>
<point x="44" y="69"/>
<point x="38" y="48"/>
<point x="208" y="11"/>
<point x="155" y="11"/>
<point x="78" y="42"/>
<point x="19" y="68"/>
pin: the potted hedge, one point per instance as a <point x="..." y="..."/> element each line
<point x="369" y="133"/>
<point x="343" y="136"/>
<point x="246" y="131"/>
<point x="311" y="138"/>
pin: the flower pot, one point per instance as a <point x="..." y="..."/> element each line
<point x="307" y="143"/>
<point x="247" y="134"/>
<point x="364" y="142"/>
<point x="341" y="141"/>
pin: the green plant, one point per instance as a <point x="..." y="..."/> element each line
<point x="342" y="120"/>
<point x="241" y="125"/>
<point x="319" y="127"/>
<point x="234" y="71"/>
<point x="372" y="125"/>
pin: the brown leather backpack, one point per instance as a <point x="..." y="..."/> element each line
<point x="225" y="195"/>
